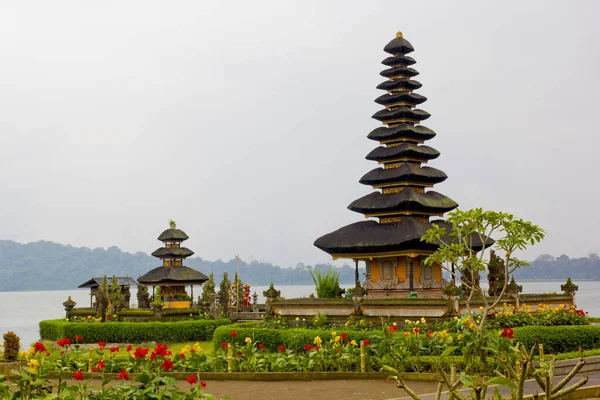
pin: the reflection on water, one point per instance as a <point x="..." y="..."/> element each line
<point x="21" y="311"/>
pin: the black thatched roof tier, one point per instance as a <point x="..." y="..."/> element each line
<point x="398" y="45"/>
<point x="173" y="275"/>
<point x="172" y="252"/>
<point x="97" y="281"/>
<point x="403" y="151"/>
<point x="407" y="200"/>
<point x="371" y="238"/>
<point x="173" y="235"/>
<point x="400" y="97"/>
<point x="417" y="133"/>
<point x="407" y="84"/>
<point x="401" y="112"/>
<point x="399" y="71"/>
<point x="406" y="173"/>
<point x="398" y="60"/>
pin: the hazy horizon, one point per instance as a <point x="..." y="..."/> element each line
<point x="246" y="122"/>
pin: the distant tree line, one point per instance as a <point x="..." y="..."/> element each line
<point x="549" y="267"/>
<point x="47" y="265"/>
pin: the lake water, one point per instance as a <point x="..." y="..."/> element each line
<point x="21" y="311"/>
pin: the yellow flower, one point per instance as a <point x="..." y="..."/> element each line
<point x="444" y="334"/>
<point x="395" y="324"/>
<point x="318" y="341"/>
<point x="297" y="318"/>
<point x="347" y="322"/>
<point x="23" y="354"/>
<point x="333" y="333"/>
<point x="459" y="337"/>
<point x="248" y="340"/>
<point x="422" y="320"/>
<point x="337" y="339"/>
<point x="362" y="321"/>
<point x="353" y="343"/>
<point x="33" y="364"/>
<point x="407" y="321"/>
<point x="197" y="347"/>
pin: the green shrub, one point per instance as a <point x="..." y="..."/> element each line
<point x="327" y="285"/>
<point x="293" y="339"/>
<point x="12" y="344"/>
<point x="132" y="332"/>
<point x="560" y="339"/>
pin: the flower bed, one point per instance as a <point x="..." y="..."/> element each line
<point x="132" y="332"/>
<point x="544" y="315"/>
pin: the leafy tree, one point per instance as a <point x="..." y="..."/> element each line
<point x="102" y="298"/>
<point x="208" y="290"/>
<point x="143" y="296"/>
<point x="512" y="234"/>
<point x="117" y="300"/>
<point x="224" y="291"/>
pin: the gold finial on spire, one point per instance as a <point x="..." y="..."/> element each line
<point x="398" y="34"/>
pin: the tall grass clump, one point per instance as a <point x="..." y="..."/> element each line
<point x="327" y="285"/>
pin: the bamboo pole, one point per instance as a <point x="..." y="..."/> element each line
<point x="362" y="356"/>
<point x="229" y="353"/>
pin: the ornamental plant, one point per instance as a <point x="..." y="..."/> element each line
<point x="457" y="255"/>
<point x="12" y="344"/>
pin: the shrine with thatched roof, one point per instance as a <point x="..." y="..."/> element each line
<point x="172" y="276"/>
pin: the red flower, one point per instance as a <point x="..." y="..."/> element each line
<point x="123" y="375"/>
<point x="375" y="323"/>
<point x="192" y="379"/>
<point x="233" y="333"/>
<point x="192" y="351"/>
<point x="203" y="384"/>
<point x="167" y="365"/>
<point x="367" y="342"/>
<point x="39" y="346"/>
<point x="261" y="346"/>
<point x="308" y="347"/>
<point x="101" y="344"/>
<point x="429" y="334"/>
<point x="79" y="338"/>
<point x="316" y="348"/>
<point x="108" y="317"/>
<point x="224" y="345"/>
<point x="78" y="376"/>
<point x="343" y="336"/>
<point x="393" y="328"/>
<point x="281" y="348"/>
<point x="416" y="330"/>
<point x="181" y="355"/>
<point x="140" y="352"/>
<point x="48" y="354"/>
<point x="95" y="369"/>
<point x="581" y="313"/>
<point x="129" y="348"/>
<point x="508" y="333"/>
<point x="406" y="334"/>
<point x="66" y="342"/>
<point x="239" y="355"/>
<point x="101" y="364"/>
<point x="114" y="349"/>
<point x="160" y="351"/>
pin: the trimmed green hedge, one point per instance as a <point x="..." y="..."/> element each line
<point x="293" y="339"/>
<point x="132" y="332"/>
<point x="560" y="339"/>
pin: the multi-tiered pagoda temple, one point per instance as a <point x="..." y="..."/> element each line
<point x="172" y="277"/>
<point x="403" y="202"/>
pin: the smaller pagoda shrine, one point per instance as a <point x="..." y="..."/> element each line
<point x="173" y="277"/>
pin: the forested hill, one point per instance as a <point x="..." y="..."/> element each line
<point x="548" y="267"/>
<point x="51" y="266"/>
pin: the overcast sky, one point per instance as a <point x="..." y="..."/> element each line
<point x="246" y="121"/>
